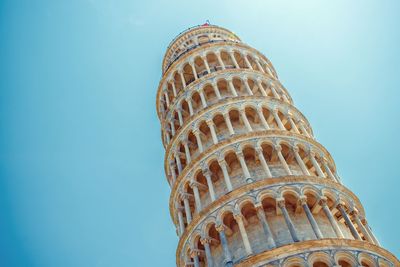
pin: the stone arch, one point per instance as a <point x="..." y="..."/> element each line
<point x="345" y="259"/>
<point x="295" y="261"/>
<point x="320" y="259"/>
<point x="366" y="260"/>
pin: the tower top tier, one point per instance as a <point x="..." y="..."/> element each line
<point x="194" y="37"/>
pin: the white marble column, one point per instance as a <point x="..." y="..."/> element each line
<point x="195" y="188"/>
<point x="204" y="58"/>
<point x="243" y="164"/>
<point x="232" y="55"/>
<point x="264" y="164"/>
<point x="278" y="150"/>
<point x="328" y="170"/>
<point x="187" y="207"/>
<point x="178" y="162"/>
<point x="232" y="88"/>
<point x="196" y="133"/>
<point x="224" y="169"/>
<point x="224" y="243"/>
<point x="220" y="60"/>
<point x="261" y="88"/>
<point x="189" y="101"/>
<point x="300" y="161"/>
<point x="239" y="219"/>
<point x="360" y="225"/>
<point x="368" y="228"/>
<point x="316" y="165"/>
<point x="259" y="66"/>
<point x="245" y="120"/>
<point x="331" y="218"/>
<point x="180" y="221"/>
<point x="228" y="123"/>
<point x="274" y="92"/>
<point x="292" y="124"/>
<point x="262" y="216"/>
<point x="166" y="99"/>
<point x="210" y="185"/>
<point x="349" y="223"/>
<point x="216" y="90"/>
<point x="182" y="79"/>
<point x="202" y="98"/>
<point x="187" y="151"/>
<point x="262" y="118"/>
<point x="206" y="243"/>
<point x="310" y="217"/>
<point x="172" y="126"/>
<point x="210" y="124"/>
<point x="247" y="62"/>
<point x="194" y="70"/>
<point x="281" y="204"/>
<point x="180" y="119"/>
<point x="303" y="129"/>
<point x="278" y="120"/>
<point x="173" y="88"/>
<point x="246" y="85"/>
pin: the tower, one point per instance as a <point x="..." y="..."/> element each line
<point x="250" y="184"/>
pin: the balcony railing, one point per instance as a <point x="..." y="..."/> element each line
<point x="193" y="47"/>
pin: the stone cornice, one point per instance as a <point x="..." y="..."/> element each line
<point x="243" y="137"/>
<point x="227" y="102"/>
<point x="313" y="245"/>
<point x="190" y="32"/>
<point x="240" y="191"/>
<point x="220" y="74"/>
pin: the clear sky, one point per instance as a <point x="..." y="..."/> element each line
<point x="81" y="160"/>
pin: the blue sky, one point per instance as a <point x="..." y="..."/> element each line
<point x="81" y="160"/>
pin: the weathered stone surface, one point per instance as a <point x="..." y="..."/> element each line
<point x="250" y="184"/>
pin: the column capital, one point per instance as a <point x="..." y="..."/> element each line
<point x="205" y="240"/>
<point x="259" y="206"/>
<point x="184" y="141"/>
<point x="323" y="201"/>
<point x="340" y="204"/>
<point x="221" y="161"/>
<point x="193" y="184"/>
<point x="239" y="153"/>
<point x="220" y="227"/>
<point x="280" y="202"/>
<point x="185" y="196"/>
<point x="238" y="216"/>
<point x="303" y="200"/>
<point x="278" y="148"/>
<point x="194" y="253"/>
<point x="295" y="149"/>
<point x="354" y="212"/>
<point x="210" y="122"/>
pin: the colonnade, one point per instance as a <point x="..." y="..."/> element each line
<point x="261" y="218"/>
<point x="194" y="39"/>
<point x="213" y="60"/>
<point x="248" y="178"/>
<point x="244" y="161"/>
<point x="208" y="94"/>
<point x="216" y="125"/>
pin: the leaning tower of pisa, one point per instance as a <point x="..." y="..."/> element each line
<point x="250" y="185"/>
